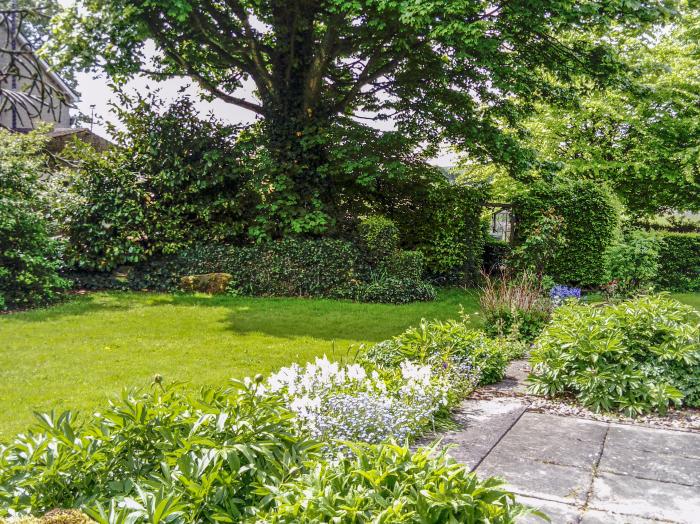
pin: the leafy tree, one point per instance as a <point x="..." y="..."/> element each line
<point x="644" y="138"/>
<point x="28" y="255"/>
<point x="464" y="71"/>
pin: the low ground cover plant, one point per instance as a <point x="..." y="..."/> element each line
<point x="254" y="453"/>
<point x="453" y="347"/>
<point x="634" y="356"/>
<point x="350" y="403"/>
<point x="387" y="483"/>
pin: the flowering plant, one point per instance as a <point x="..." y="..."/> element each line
<point x="349" y="403"/>
<point x="560" y="294"/>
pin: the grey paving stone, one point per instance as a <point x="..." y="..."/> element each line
<point x="622" y="494"/>
<point x="558" y="512"/>
<point x="483" y="423"/>
<point x="514" y="381"/>
<point x="678" y="443"/>
<point x="555" y="440"/>
<point x="629" y="460"/>
<point x="538" y="479"/>
<point x="602" y="517"/>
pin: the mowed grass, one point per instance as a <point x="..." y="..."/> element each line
<point x="78" y="354"/>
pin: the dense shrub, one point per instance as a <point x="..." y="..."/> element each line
<point x="391" y="290"/>
<point x="388" y="483"/>
<point x="453" y="345"/>
<point x="632" y="264"/>
<point x="514" y="306"/>
<point x="402" y="264"/>
<point x="173" y="178"/>
<point x="196" y="457"/>
<point x="293" y="267"/>
<point x="496" y="256"/>
<point x="444" y="222"/>
<point x="28" y="255"/>
<point x="379" y="237"/>
<point x="590" y="216"/>
<point x="634" y="356"/>
<point x="679" y="261"/>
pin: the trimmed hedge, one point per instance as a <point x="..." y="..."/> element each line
<point x="308" y="268"/>
<point x="445" y="224"/>
<point x="679" y="261"/>
<point x="591" y="224"/>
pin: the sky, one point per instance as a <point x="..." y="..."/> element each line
<point x="96" y="97"/>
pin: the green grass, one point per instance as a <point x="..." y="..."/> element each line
<point x="78" y="354"/>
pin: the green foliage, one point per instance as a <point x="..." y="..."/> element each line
<point x="388" y="483"/>
<point x="168" y="456"/>
<point x="444" y="223"/>
<point x="640" y="136"/>
<point x="450" y="344"/>
<point x="679" y="261"/>
<point x="633" y="264"/>
<point x="174" y="179"/>
<point x="514" y="306"/>
<point x="496" y="255"/>
<point x="409" y="265"/>
<point x="28" y="255"/>
<point x="635" y="356"/>
<point x="544" y="240"/>
<point x="422" y="74"/>
<point x="591" y="221"/>
<point x="379" y="236"/>
<point x="392" y="290"/>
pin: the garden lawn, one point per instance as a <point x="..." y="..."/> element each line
<point x="78" y="354"/>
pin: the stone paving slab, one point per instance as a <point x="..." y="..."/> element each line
<point x="554" y="440"/>
<point x="482" y="424"/>
<point x="582" y="471"/>
<point x="645" y="498"/>
<point x="533" y="478"/>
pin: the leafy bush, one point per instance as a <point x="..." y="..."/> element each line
<point x="514" y="306"/>
<point x="633" y="264"/>
<point x="496" y="256"/>
<point x="379" y="236"/>
<point x="405" y="265"/>
<point x="591" y="220"/>
<point x="679" y="261"/>
<point x="349" y="404"/>
<point x="28" y="255"/>
<point x="635" y="356"/>
<point x="388" y="483"/>
<point x="444" y="222"/>
<point x="467" y="354"/>
<point x="173" y="179"/>
<point x="156" y="457"/>
<point x="392" y="290"/>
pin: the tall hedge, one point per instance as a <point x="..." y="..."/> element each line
<point x="679" y="261"/>
<point x="444" y="223"/>
<point x="591" y="223"/>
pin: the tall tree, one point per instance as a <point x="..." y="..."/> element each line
<point x="462" y="71"/>
<point x="644" y="138"/>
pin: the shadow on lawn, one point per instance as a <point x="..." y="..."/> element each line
<point x="286" y="318"/>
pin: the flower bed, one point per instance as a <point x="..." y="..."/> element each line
<point x="269" y="450"/>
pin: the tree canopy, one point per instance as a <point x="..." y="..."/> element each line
<point x="464" y="72"/>
<point x="644" y="137"/>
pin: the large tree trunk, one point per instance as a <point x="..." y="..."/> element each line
<point x="300" y="197"/>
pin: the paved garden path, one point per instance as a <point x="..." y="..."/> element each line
<point x="577" y="470"/>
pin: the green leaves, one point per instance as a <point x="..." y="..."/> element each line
<point x="636" y="356"/>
